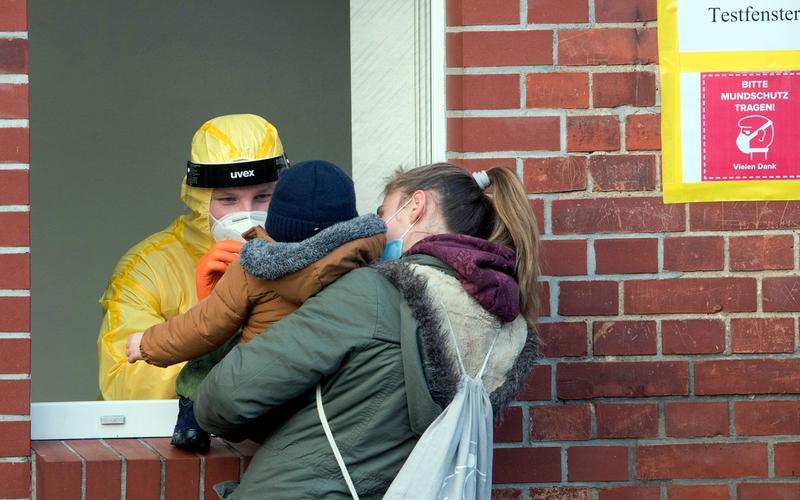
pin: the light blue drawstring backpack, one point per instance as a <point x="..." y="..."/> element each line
<point x="453" y="458"/>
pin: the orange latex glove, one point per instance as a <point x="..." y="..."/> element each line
<point x="213" y="264"/>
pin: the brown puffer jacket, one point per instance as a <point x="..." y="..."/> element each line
<point x="269" y="282"/>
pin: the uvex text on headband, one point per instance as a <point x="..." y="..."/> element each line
<point x="243" y="173"/>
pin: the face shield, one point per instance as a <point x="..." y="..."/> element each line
<point x="233" y="175"/>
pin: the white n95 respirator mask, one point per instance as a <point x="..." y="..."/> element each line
<point x="231" y="226"/>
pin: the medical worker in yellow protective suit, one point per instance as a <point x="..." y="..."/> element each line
<point x="234" y="163"/>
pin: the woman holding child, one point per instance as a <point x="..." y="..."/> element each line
<point x="458" y="276"/>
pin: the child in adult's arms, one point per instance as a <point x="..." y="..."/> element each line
<point x="313" y="236"/>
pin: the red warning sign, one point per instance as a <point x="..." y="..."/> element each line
<point x="750" y="126"/>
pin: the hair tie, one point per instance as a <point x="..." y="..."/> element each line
<point x="482" y="178"/>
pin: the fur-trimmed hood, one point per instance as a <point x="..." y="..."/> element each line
<point x="435" y="295"/>
<point x="271" y="260"/>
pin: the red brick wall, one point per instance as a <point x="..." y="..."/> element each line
<point x="15" y="464"/>
<point x="671" y="341"/>
<point x="671" y="365"/>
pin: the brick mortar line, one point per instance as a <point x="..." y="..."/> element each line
<point x="623" y="133"/>
<point x="15" y="376"/>
<point x="619" y="112"/>
<point x="14" y="123"/>
<point x="613" y="236"/>
<point x="526" y="423"/>
<point x="797" y="335"/>
<point x="529" y="154"/>
<point x="123" y="469"/>
<point x="601" y="485"/>
<point x="550" y="68"/>
<point x="163" y="462"/>
<point x="659" y="340"/>
<point x="455" y="155"/>
<point x="728" y="337"/>
<point x="661" y="235"/>
<point x="548" y="216"/>
<point x="201" y="486"/>
<point x="15" y="418"/>
<point x="558" y="318"/>
<point x="235" y="452"/>
<point x="651" y="442"/>
<point x="717" y="398"/>
<point x="527" y="26"/>
<point x="660" y="184"/>
<point x="14" y="250"/>
<point x="591" y="255"/>
<point x="796" y="249"/>
<point x="525" y="111"/>
<point x="726" y="254"/>
<point x="14" y="79"/>
<point x="15" y="292"/>
<point x="631" y="457"/>
<point x="34" y="494"/>
<point x="14" y="35"/>
<point x="504" y="113"/>
<point x="760" y="291"/>
<point x="15" y="166"/>
<point x="606" y="195"/>
<point x="652" y="358"/>
<point x="673" y="275"/>
<point x="555" y="48"/>
<point x="768" y="480"/>
<point x="14" y="208"/>
<point x="14" y="335"/>
<point x="83" y="468"/>
<point x="771" y="460"/>
<point x="555" y="291"/>
<point x="15" y="460"/>
<point x="740" y="398"/>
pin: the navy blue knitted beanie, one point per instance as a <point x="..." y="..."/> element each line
<point x="310" y="196"/>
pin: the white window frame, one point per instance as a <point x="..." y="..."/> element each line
<point x="387" y="132"/>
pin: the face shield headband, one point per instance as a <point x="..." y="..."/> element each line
<point x="243" y="173"/>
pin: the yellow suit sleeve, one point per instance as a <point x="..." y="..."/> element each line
<point x="131" y="304"/>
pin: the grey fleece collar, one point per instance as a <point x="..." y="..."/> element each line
<point x="274" y="260"/>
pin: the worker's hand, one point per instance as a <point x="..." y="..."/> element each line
<point x="212" y="266"/>
<point x="133" y="347"/>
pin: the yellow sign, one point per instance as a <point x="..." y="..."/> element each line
<point x="730" y="98"/>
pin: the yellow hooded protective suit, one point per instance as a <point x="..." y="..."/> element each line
<point x="155" y="279"/>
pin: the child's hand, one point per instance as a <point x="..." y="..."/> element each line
<point x="133" y="347"/>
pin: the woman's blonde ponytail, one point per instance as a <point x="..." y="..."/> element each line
<point x="515" y="226"/>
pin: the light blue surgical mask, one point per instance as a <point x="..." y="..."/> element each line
<point x="394" y="248"/>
